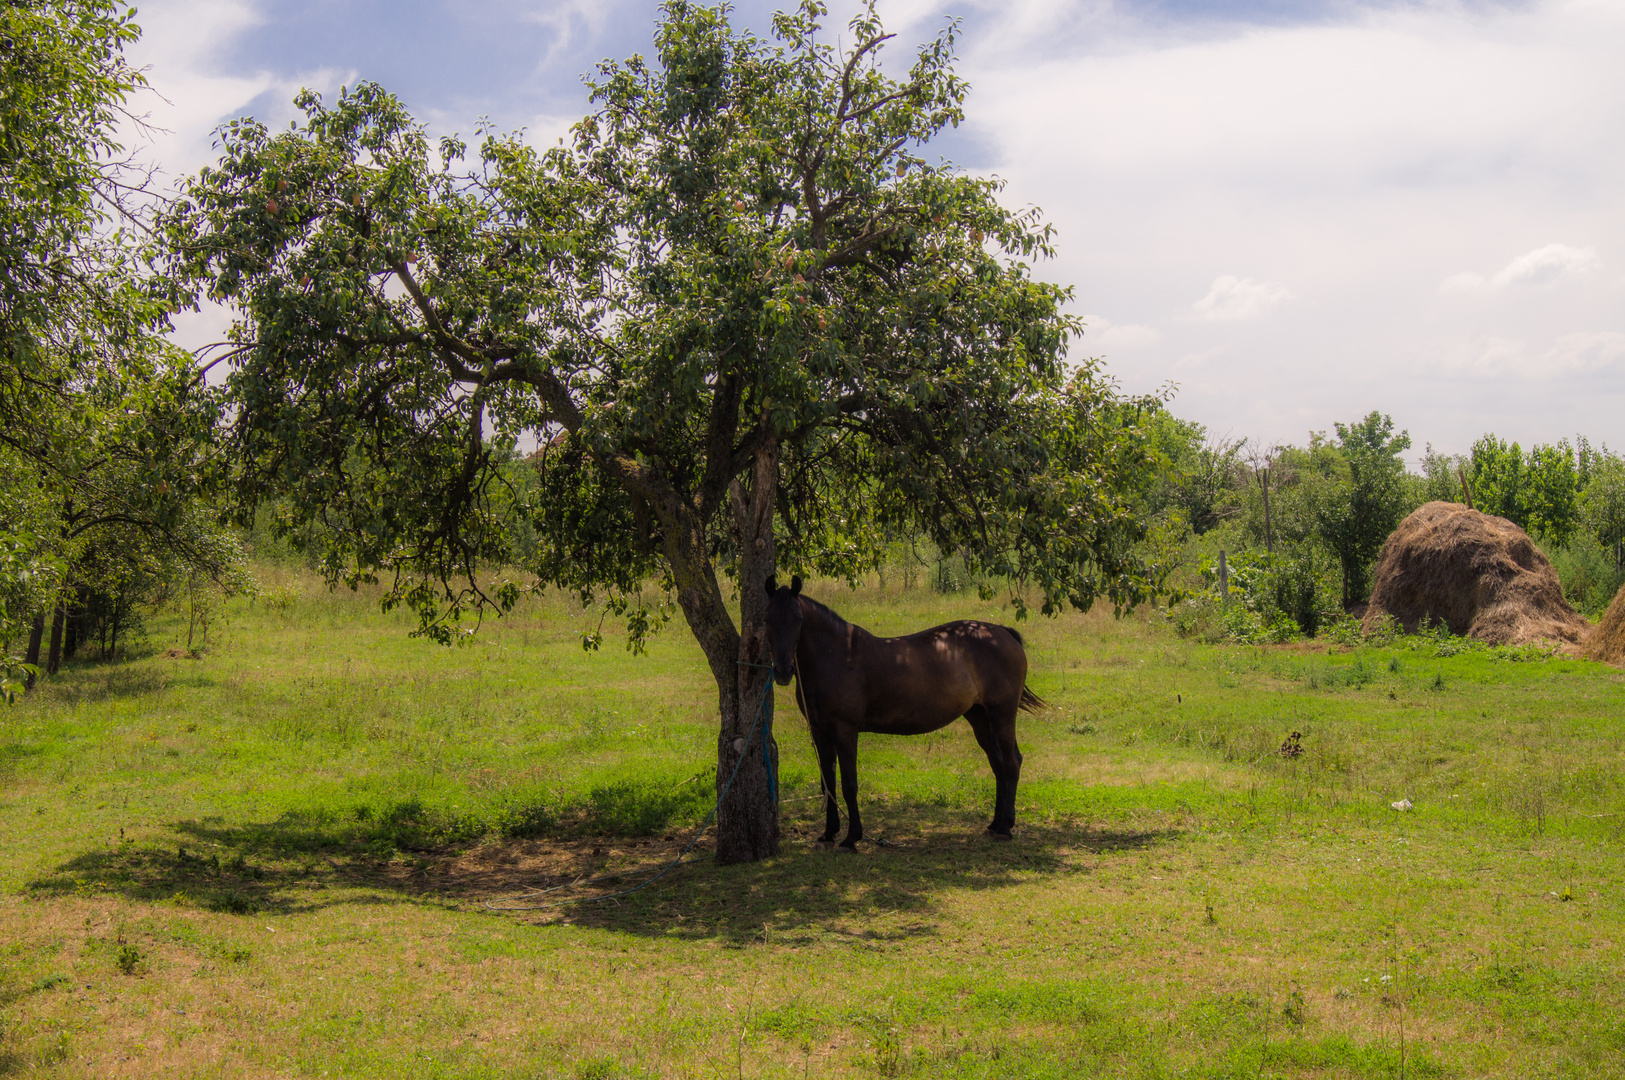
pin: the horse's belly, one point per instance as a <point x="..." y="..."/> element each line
<point x="899" y="714"/>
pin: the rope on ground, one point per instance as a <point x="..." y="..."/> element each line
<point x="764" y="725"/>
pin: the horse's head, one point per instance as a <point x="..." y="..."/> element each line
<point x="783" y="627"/>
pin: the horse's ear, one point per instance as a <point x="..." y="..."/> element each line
<point x="795" y="586"/>
<point x="772" y="585"/>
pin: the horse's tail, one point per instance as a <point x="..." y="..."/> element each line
<point x="1030" y="702"/>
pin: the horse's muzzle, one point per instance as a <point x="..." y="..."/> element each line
<point x="782" y="677"/>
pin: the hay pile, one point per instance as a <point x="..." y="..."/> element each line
<point x="1481" y="575"/>
<point x="1608" y="643"/>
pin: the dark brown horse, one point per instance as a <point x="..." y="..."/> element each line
<point x="849" y="681"/>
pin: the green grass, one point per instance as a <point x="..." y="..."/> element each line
<point x="273" y="860"/>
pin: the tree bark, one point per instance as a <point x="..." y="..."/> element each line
<point x="748" y="817"/>
<point x="36" y="634"/>
<point x="1269" y="536"/>
<point x="57" y="618"/>
<point x="747" y="820"/>
<point x="73" y="630"/>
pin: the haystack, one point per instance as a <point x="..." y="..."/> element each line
<point x="1608" y="643"/>
<point x="1481" y="575"/>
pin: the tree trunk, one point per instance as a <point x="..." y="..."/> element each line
<point x="75" y="625"/>
<point x="36" y="634"/>
<point x="747" y="820"/>
<point x="54" y="660"/>
<point x="748" y="816"/>
<point x="1269" y="536"/>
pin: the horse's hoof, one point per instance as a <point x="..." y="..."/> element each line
<point x="823" y="845"/>
<point x="1002" y="837"/>
<point x="847" y="847"/>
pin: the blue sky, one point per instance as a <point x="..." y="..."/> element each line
<point x="1297" y="211"/>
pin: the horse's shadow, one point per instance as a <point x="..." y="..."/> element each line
<point x="885" y="891"/>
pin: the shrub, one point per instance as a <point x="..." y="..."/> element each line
<point x="1589" y="574"/>
<point x="129" y="960"/>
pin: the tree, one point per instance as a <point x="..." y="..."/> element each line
<point x="753" y="325"/>
<point x="1551" y="492"/>
<point x="1198" y="471"/>
<point x="1354" y="517"/>
<point x="1261" y="461"/>
<point x="108" y="484"/>
<point x="1537" y="492"/>
<point x="102" y="425"/>
<point x="63" y="81"/>
<point x="1442" y="476"/>
<point x="1497" y="480"/>
<point x="1602" y="504"/>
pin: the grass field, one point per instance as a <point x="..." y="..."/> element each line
<point x="274" y="860"/>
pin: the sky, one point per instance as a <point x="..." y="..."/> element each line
<point x="1291" y="212"/>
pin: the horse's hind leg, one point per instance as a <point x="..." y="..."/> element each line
<point x="1005" y="805"/>
<point x="997" y="738"/>
<point x="825" y="745"/>
<point x="846" y="750"/>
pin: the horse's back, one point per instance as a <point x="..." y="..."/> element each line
<point x="925" y="680"/>
<point x="982" y="642"/>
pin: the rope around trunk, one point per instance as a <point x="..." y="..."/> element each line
<point x="763" y="725"/>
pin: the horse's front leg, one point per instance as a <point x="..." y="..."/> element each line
<point x="825" y="745"/>
<point x="846" y="749"/>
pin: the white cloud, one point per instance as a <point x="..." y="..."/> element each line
<point x="1374" y="156"/>
<point x="1570" y="356"/>
<point x="1546" y="265"/>
<point x="563" y="19"/>
<point x="1365" y="160"/>
<point x="1106" y="335"/>
<point x="1585" y="353"/>
<point x="1233" y="299"/>
<point x="545" y="130"/>
<point x="1543" y="266"/>
<point x="188" y="96"/>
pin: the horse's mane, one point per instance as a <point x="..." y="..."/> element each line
<point x="842" y="622"/>
<point x="825" y="608"/>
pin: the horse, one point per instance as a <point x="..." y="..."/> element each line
<point x="849" y="681"/>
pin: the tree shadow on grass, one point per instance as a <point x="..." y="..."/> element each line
<point x="812" y="893"/>
<point x="295" y="863"/>
<point x="231" y="883"/>
<point x="84" y="682"/>
<point x="808" y="893"/>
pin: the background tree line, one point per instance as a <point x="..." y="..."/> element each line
<point x="113" y="471"/>
<point x="1302" y="525"/>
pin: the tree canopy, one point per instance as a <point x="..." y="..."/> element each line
<point x="1602" y="505"/>
<point x="1355" y="518"/>
<point x="749" y="320"/>
<point x="103" y="425"/>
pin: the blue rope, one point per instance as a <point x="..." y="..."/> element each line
<point x="770" y="749"/>
<point x="764" y="716"/>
